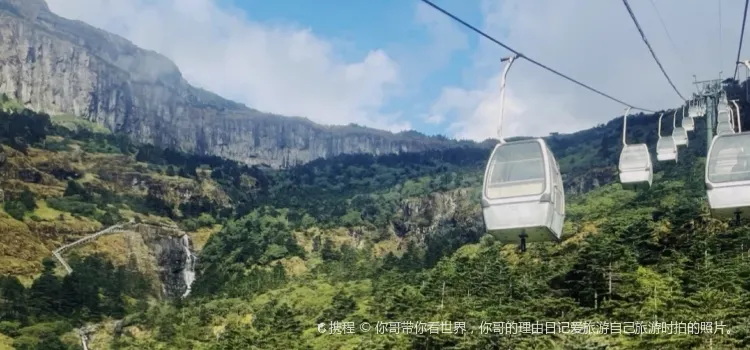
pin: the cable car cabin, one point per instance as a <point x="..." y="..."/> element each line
<point x="724" y="128"/>
<point x="688" y="124"/>
<point x="693" y="112"/>
<point x="679" y="134"/>
<point x="728" y="176"/>
<point x="666" y="149"/>
<point x="696" y="111"/>
<point x="636" y="170"/>
<point x="724" y="115"/>
<point x="523" y="192"/>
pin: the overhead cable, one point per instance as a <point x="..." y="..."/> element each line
<point x="674" y="46"/>
<point x="742" y="34"/>
<point x="643" y="36"/>
<point x="520" y="55"/>
<point x="720" y="39"/>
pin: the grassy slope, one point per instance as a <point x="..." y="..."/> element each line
<point x="607" y="210"/>
<point x="25" y="243"/>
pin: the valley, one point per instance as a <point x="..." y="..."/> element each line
<point x="138" y="211"/>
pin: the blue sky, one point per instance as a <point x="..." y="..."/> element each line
<point x="389" y="24"/>
<point x="399" y="64"/>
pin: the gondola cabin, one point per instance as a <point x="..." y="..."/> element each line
<point x="724" y="128"/>
<point x="688" y="123"/>
<point x="666" y="149"/>
<point x="523" y="192"/>
<point x="680" y="136"/>
<point x="694" y="111"/>
<point x="722" y="109"/>
<point x="636" y="170"/>
<point x="728" y="176"/>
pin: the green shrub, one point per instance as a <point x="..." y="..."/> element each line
<point x="15" y="209"/>
<point x="57" y="146"/>
<point x="73" y="204"/>
<point x="28" y="200"/>
<point x="206" y="220"/>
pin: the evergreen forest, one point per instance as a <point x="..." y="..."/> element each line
<point x="302" y="258"/>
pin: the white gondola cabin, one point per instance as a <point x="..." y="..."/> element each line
<point x="636" y="170"/>
<point x="693" y="112"/>
<point x="693" y="109"/>
<point x="724" y="128"/>
<point x="523" y="191"/>
<point x="666" y="149"/>
<point x="725" y="123"/>
<point x="635" y="167"/>
<point x="725" y="116"/>
<point x="688" y="123"/>
<point x="679" y="134"/>
<point x="728" y="175"/>
<point x="701" y="111"/>
<point x="523" y="199"/>
<point x="722" y="108"/>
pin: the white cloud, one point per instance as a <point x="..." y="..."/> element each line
<point x="596" y="43"/>
<point x="289" y="70"/>
<point x="434" y="119"/>
<point x="445" y="38"/>
<point x="279" y="68"/>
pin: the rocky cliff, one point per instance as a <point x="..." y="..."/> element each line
<point x="57" y="65"/>
<point x="162" y="254"/>
<point x="174" y="259"/>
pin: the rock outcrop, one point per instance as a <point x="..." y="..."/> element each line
<point x="590" y="180"/>
<point x="62" y="66"/>
<point x="417" y="218"/>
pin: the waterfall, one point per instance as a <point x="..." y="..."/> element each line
<point x="83" y="334"/>
<point x="84" y="341"/>
<point x="189" y="272"/>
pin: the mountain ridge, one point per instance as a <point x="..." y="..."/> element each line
<point x="62" y="66"/>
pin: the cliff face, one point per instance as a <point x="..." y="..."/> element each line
<point x="590" y="180"/>
<point x="417" y="218"/>
<point x="174" y="259"/>
<point x="57" y="65"/>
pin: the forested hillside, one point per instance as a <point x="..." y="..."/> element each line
<point x="396" y="239"/>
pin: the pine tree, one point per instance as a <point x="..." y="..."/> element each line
<point x="342" y="306"/>
<point x="13" y="299"/>
<point x="27" y="198"/>
<point x="49" y="341"/>
<point x="45" y="291"/>
<point x="328" y="252"/>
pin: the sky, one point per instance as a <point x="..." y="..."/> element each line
<point x="400" y="64"/>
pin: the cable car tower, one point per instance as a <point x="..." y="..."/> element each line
<point x="708" y="94"/>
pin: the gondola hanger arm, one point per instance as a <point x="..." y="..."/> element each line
<point x="508" y="62"/>
<point x="625" y="125"/>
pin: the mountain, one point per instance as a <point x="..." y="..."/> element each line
<point x="353" y="251"/>
<point x="57" y="65"/>
<point x="392" y="241"/>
